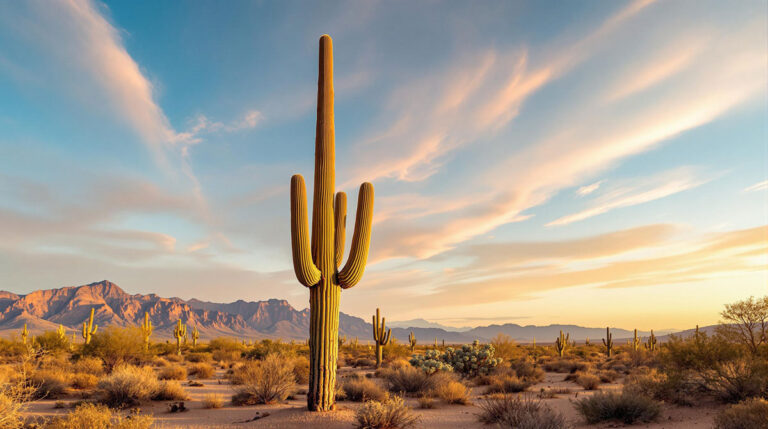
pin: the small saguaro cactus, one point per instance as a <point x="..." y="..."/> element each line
<point x="380" y="335"/>
<point x="24" y="334"/>
<point x="608" y="341"/>
<point x="146" y="330"/>
<point x="635" y="342"/>
<point x="179" y="332"/>
<point x="195" y="336"/>
<point x="89" y="328"/>
<point x="561" y="343"/>
<point x="62" y="333"/>
<point x="317" y="264"/>
<point x="412" y="341"/>
<point x="650" y="345"/>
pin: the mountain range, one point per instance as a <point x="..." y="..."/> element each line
<point x="69" y="306"/>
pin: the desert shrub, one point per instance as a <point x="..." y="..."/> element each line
<point x="398" y="363"/>
<point x="407" y="380"/>
<point x="359" y="389"/>
<point x="391" y="413"/>
<point x="170" y="390"/>
<point x="452" y="392"/>
<point x="563" y="366"/>
<point x="51" y="342"/>
<point x="396" y="352"/>
<point x="588" y="381"/>
<point x="89" y="365"/>
<point x="660" y="386"/>
<point x="426" y="402"/>
<point x="608" y="376"/>
<point x="301" y="369"/>
<point x="173" y="372"/>
<point x="507" y="384"/>
<point x="128" y="385"/>
<point x="625" y="407"/>
<point x="238" y="374"/>
<point x="271" y="381"/>
<point x="174" y="357"/>
<point x="225" y="349"/>
<point x="517" y="412"/>
<point x="527" y="371"/>
<point x="202" y="370"/>
<point x="363" y="362"/>
<point x="213" y="400"/>
<point x="198" y="357"/>
<point x="471" y="360"/>
<point x="430" y="362"/>
<point x="263" y="348"/>
<point x="505" y="347"/>
<point x="93" y="416"/>
<point x="12" y="348"/>
<point x="82" y="380"/>
<point x="115" y="346"/>
<point x="15" y="394"/>
<point x="750" y="414"/>
<point x="49" y="383"/>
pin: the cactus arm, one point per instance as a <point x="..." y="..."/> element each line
<point x="306" y="271"/>
<point x="361" y="239"/>
<point x="389" y="334"/>
<point x="340" y="211"/>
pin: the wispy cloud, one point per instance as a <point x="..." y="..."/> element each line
<point x="759" y="186"/>
<point x="588" y="189"/>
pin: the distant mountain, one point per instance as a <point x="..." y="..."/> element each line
<point x="46" y="309"/>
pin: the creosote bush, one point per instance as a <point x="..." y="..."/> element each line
<point x="173" y="372"/>
<point x="202" y="370"/>
<point x="750" y="414"/>
<point x="391" y="413"/>
<point x="170" y="390"/>
<point x="115" y="346"/>
<point x="588" y="381"/>
<point x="407" y="379"/>
<point x="128" y="385"/>
<point x="506" y="384"/>
<point x="452" y="392"/>
<point x="518" y="412"/>
<point x="624" y="407"/>
<point x="268" y="382"/>
<point x="359" y="389"/>
<point x="49" y="383"/>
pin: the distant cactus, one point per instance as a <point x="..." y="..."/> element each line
<point x="586" y="342"/>
<point x="89" y="328"/>
<point x="179" y="332"/>
<point x="534" y="342"/>
<point x="146" y="330"/>
<point x="195" y="336"/>
<point x="24" y="334"/>
<point x="635" y="344"/>
<point x="355" y="343"/>
<point x="443" y="342"/>
<point x="317" y="264"/>
<point x="561" y="343"/>
<point x="342" y="340"/>
<point x="380" y="335"/>
<point x="412" y="341"/>
<point x="650" y="345"/>
<point x="62" y="333"/>
<point x="608" y="342"/>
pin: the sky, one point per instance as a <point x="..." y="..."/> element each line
<point x="596" y="163"/>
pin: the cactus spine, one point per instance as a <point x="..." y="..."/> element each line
<point x="195" y="336"/>
<point x="380" y="335"/>
<point x="650" y="345"/>
<point x="608" y="341"/>
<point x="146" y="330"/>
<point x="412" y="341"/>
<point x="317" y="263"/>
<point x="561" y="343"/>
<point x="179" y="332"/>
<point x="89" y="329"/>
<point x="24" y="334"/>
<point x="635" y="342"/>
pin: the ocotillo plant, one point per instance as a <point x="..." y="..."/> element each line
<point x="179" y="332"/>
<point x="317" y="264"/>
<point x="635" y="342"/>
<point x="608" y="341"/>
<point x="561" y="343"/>
<point x="195" y="336"/>
<point x="650" y="345"/>
<point x="24" y="334"/>
<point x="146" y="330"/>
<point x="89" y="329"/>
<point x="412" y="341"/>
<point x="380" y="335"/>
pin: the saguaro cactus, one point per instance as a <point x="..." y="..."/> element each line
<point x="179" y="332"/>
<point x="561" y="343"/>
<point x="89" y="329"/>
<point x="317" y="265"/>
<point x="650" y="345"/>
<point x="62" y="333"/>
<point x="608" y="341"/>
<point x="412" y="341"/>
<point x="586" y="342"/>
<point x="380" y="335"/>
<point x="195" y="336"/>
<point x="24" y="334"/>
<point x="146" y="330"/>
<point x="635" y="342"/>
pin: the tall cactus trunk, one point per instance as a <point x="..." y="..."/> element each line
<point x="379" y="350"/>
<point x="323" y="345"/>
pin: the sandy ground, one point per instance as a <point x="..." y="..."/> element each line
<point x="293" y="414"/>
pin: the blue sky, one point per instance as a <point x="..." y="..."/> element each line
<point x="534" y="162"/>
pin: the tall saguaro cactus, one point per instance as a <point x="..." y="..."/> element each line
<point x="179" y="332"/>
<point x="650" y="345"/>
<point x="635" y="342"/>
<point x="195" y="336"/>
<point x="412" y="341"/>
<point x="89" y="329"/>
<point x="24" y="334"/>
<point x="146" y="330"/>
<point x="561" y="343"/>
<point x="61" y="333"/>
<point x="380" y="335"/>
<point x="608" y="341"/>
<point x="317" y="263"/>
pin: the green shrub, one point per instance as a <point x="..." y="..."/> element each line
<point x="116" y="346"/>
<point x="51" y="342"/>
<point x="517" y="412"/>
<point x="391" y="413"/>
<point x="750" y="414"/>
<point x="225" y="349"/>
<point x="263" y="348"/>
<point x="625" y="407"/>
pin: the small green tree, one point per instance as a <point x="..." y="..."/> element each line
<point x="746" y="322"/>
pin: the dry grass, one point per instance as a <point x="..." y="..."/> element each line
<point x="82" y="380"/>
<point x="128" y="385"/>
<point x="359" y="389"/>
<point x="89" y="365"/>
<point x="50" y="383"/>
<point x="92" y="416"/>
<point x="507" y="384"/>
<point x="202" y="370"/>
<point x="407" y="379"/>
<point x="269" y="382"/>
<point x="623" y="407"/>
<point x="173" y="372"/>
<point x="588" y="381"/>
<point x="515" y="411"/>
<point x="213" y="400"/>
<point x="392" y="413"/>
<point x="750" y="414"/>
<point x="170" y="390"/>
<point x="301" y="369"/>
